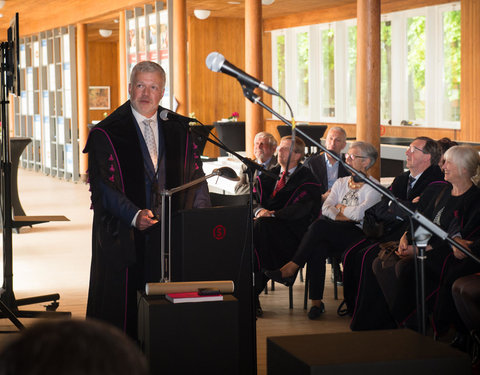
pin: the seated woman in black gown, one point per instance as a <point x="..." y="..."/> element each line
<point x="454" y="209"/>
<point x="338" y="228"/>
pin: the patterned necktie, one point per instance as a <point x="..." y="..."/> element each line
<point x="280" y="184"/>
<point x="411" y="180"/>
<point x="150" y="141"/>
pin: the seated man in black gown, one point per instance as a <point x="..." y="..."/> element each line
<point x="264" y="146"/>
<point x="286" y="208"/>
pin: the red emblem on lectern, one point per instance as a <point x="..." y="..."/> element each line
<point x="219" y="232"/>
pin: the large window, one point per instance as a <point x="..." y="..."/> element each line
<point x="280" y="71"/>
<point x="302" y="76"/>
<point x="451" y="65"/>
<point x="386" y="71"/>
<point x="327" y="38"/>
<point x="416" y="53"/>
<point x="420" y="68"/>
<point x="351" y="114"/>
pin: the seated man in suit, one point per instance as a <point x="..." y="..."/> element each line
<point x="264" y="146"/>
<point x="286" y="208"/>
<point x="423" y="156"/>
<point x="325" y="168"/>
<point x="385" y="222"/>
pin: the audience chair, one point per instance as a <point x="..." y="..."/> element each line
<point x="290" y="289"/>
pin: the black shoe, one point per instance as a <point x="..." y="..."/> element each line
<point x="276" y="275"/>
<point x="316" y="311"/>
<point x="258" y="309"/>
<point x="460" y="341"/>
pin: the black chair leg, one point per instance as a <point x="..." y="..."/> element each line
<point x="290" y="297"/>
<point x="307" y="284"/>
<point x="336" y="273"/>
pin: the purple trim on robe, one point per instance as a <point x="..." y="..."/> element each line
<point x="116" y="156"/>
<point x="361" y="273"/>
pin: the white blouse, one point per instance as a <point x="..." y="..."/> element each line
<point x="357" y="201"/>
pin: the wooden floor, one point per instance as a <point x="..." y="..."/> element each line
<point x="55" y="258"/>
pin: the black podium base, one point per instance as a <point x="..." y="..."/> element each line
<point x="189" y="338"/>
<point x="396" y="352"/>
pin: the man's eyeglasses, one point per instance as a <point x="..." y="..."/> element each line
<point x="412" y="149"/>
<point x="353" y="157"/>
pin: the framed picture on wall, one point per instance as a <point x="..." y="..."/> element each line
<point x="99" y="97"/>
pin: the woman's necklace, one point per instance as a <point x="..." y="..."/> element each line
<point x="354" y="185"/>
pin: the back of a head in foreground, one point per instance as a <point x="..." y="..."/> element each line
<point x="72" y="347"/>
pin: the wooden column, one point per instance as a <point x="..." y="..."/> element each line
<point x="122" y="58"/>
<point x="82" y="87"/>
<point x="368" y="75"/>
<point x="470" y="87"/>
<point x="254" y="67"/>
<point x="180" y="55"/>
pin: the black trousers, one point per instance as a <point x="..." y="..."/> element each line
<point x="324" y="238"/>
<point x="400" y="289"/>
<point x="275" y="241"/>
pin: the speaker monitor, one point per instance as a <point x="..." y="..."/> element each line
<point x="395" y="352"/>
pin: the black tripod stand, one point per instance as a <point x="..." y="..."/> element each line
<point x="8" y="304"/>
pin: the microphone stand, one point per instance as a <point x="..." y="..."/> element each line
<point x="428" y="225"/>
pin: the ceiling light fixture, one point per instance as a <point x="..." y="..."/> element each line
<point x="267" y="2"/>
<point x="105" y="33"/>
<point x="2" y="3"/>
<point x="201" y="14"/>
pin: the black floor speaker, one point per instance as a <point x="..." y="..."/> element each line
<point x="395" y="352"/>
<point x="214" y="244"/>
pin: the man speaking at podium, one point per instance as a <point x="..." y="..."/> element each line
<point x="133" y="155"/>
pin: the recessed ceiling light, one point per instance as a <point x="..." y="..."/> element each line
<point x="1" y="15"/>
<point x="234" y="2"/>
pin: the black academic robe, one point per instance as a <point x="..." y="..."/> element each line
<point x="296" y="205"/>
<point x="123" y="181"/>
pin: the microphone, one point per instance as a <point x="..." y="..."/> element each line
<point x="217" y="63"/>
<point x="169" y="115"/>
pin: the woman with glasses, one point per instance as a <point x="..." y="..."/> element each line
<point x="339" y="227"/>
<point x="454" y="206"/>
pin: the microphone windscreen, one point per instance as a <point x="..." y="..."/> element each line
<point x="215" y="61"/>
